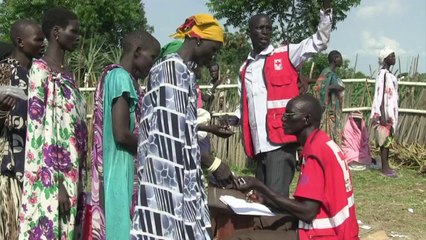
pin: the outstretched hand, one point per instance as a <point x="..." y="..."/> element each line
<point x="247" y="183"/>
<point x="221" y="131"/>
<point x="229" y="120"/>
<point x="224" y="176"/>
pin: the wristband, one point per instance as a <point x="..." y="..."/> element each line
<point x="215" y="165"/>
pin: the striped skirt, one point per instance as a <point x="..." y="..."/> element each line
<point x="10" y="203"/>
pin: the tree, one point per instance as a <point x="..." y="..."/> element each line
<point x="102" y="19"/>
<point x="294" y="20"/>
<point x="234" y="51"/>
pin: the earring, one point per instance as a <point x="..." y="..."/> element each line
<point x="198" y="43"/>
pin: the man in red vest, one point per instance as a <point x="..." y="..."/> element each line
<point x="268" y="80"/>
<point x="323" y="201"/>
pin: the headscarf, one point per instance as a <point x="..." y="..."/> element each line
<point x="171" y="47"/>
<point x="384" y="53"/>
<point x="202" y="26"/>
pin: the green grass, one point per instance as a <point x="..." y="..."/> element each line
<point x="382" y="203"/>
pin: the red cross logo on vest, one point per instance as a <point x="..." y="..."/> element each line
<point x="278" y="64"/>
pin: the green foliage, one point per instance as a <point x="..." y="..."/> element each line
<point x="320" y="62"/>
<point x="101" y="19"/>
<point x="88" y="61"/>
<point x="383" y="203"/>
<point x="234" y="52"/>
<point x="294" y="20"/>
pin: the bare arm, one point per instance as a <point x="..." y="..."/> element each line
<point x="6" y="104"/>
<point x="220" y="131"/>
<point x="336" y="88"/>
<point x="305" y="209"/>
<point x="223" y="174"/>
<point x="121" y="125"/>
<point x="206" y="160"/>
<point x="206" y="97"/>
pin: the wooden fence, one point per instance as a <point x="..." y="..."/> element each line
<point x="358" y="96"/>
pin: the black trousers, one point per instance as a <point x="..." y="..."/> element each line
<point x="276" y="168"/>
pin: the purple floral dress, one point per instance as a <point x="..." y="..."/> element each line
<point x="55" y="151"/>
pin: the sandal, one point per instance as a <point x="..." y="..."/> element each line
<point x="356" y="167"/>
<point x="391" y="174"/>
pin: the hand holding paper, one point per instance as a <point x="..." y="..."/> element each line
<point x="241" y="207"/>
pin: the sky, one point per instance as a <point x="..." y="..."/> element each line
<point x="368" y="28"/>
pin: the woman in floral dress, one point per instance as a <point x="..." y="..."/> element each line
<point x="56" y="137"/>
<point x="28" y="40"/>
<point x="384" y="112"/>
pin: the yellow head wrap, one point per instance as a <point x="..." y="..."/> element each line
<point x="203" y="26"/>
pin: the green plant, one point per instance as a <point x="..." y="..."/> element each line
<point x="100" y="19"/>
<point x="295" y="20"/>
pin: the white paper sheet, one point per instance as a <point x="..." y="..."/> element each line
<point x="241" y="207"/>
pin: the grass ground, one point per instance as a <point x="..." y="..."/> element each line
<point x="385" y="203"/>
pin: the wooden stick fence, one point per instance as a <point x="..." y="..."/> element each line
<point x="411" y="127"/>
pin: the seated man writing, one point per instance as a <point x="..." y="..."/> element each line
<point x="323" y="201"/>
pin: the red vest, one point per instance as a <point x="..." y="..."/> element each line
<point x="336" y="219"/>
<point x="281" y="84"/>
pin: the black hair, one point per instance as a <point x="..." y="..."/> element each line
<point x="57" y="16"/>
<point x="310" y="105"/>
<point x="18" y="29"/>
<point x="254" y="19"/>
<point x="332" y="55"/>
<point x="214" y="64"/>
<point x="5" y="50"/>
<point x="139" y="39"/>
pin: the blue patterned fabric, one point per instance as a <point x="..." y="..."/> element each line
<point x="172" y="203"/>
